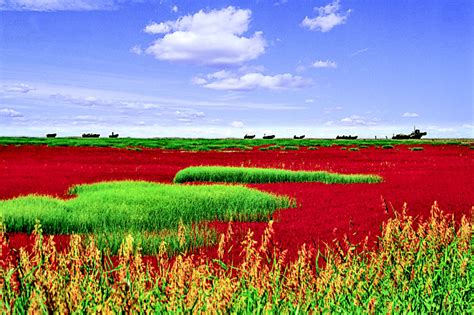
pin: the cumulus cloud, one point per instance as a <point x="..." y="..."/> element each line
<point x="324" y="64"/>
<point x="8" y="112"/>
<point x="57" y="5"/>
<point x="328" y="17"/>
<point x="213" y="38"/>
<point x="253" y="81"/>
<point x="408" y="114"/>
<point x="18" y="88"/>
<point x="237" y="124"/>
<point x="174" y="9"/>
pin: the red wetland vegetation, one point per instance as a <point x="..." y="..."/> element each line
<point x="324" y="212"/>
<point x="382" y="256"/>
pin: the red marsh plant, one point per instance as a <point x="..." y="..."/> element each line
<point x="420" y="266"/>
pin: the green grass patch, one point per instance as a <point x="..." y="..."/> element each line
<point x="200" y="144"/>
<point x="416" y="149"/>
<point x="139" y="207"/>
<point x="313" y="148"/>
<point x="353" y="149"/>
<point x="224" y="174"/>
<point x="291" y="148"/>
<point x="387" y="146"/>
<point x="185" y="238"/>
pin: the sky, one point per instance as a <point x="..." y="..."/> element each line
<point x="150" y="68"/>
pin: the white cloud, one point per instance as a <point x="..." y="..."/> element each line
<point x="251" y="68"/>
<point x="309" y="100"/>
<point x="18" y="88"/>
<point x="137" y="50"/>
<point x="468" y="126"/>
<point x="237" y="124"/>
<point x="198" y="81"/>
<point x="356" y="120"/>
<point x="189" y="114"/>
<point x="254" y="80"/>
<point x="8" y="112"/>
<point x="408" y="114"/>
<point x="358" y="52"/>
<point x="328" y="110"/>
<point x="174" y="9"/>
<point x="324" y="64"/>
<point x="328" y="17"/>
<point x="207" y="38"/>
<point x="300" y="68"/>
<point x="219" y="75"/>
<point x="57" y="5"/>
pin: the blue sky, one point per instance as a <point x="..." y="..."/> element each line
<point x="225" y="68"/>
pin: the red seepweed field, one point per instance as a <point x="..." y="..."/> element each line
<point x="324" y="212"/>
<point x="390" y="277"/>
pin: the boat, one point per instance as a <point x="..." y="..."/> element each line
<point x="51" y="135"/>
<point x="298" y="137"/>
<point x="416" y="134"/>
<point x="114" y="135"/>
<point x="249" y="136"/>
<point x="268" y="137"/>
<point x="90" y="135"/>
<point x="349" y="137"/>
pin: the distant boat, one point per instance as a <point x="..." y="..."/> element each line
<point x="90" y="135"/>
<point x="114" y="135"/>
<point x="51" y="135"/>
<point x="416" y="134"/>
<point x="299" y="137"/>
<point x="268" y="137"/>
<point x="249" y="136"/>
<point x="349" y="137"/>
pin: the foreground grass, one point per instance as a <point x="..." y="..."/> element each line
<point x="225" y="174"/>
<point x="110" y="209"/>
<point x="424" y="268"/>
<point x="190" y="144"/>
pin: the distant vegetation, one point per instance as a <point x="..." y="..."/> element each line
<point x="417" y="148"/>
<point x="153" y="212"/>
<point x="223" y="174"/>
<point x="214" y="144"/>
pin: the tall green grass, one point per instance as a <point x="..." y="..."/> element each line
<point x="225" y="174"/>
<point x="112" y="208"/>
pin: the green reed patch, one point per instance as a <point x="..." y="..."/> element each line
<point x="138" y="207"/>
<point x="416" y="149"/>
<point x="184" y="239"/>
<point x="225" y="174"/>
